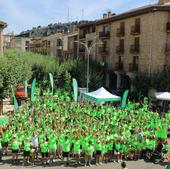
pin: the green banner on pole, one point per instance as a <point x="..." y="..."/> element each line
<point x="52" y="82"/>
<point x="75" y="89"/>
<point x="16" y="107"/>
<point x="33" y="89"/>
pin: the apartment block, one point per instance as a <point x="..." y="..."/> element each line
<point x="2" y="26"/>
<point x="9" y="41"/>
<point x="21" y="43"/>
<point x="132" y="42"/>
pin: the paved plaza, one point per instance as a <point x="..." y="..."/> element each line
<point x="140" y="164"/>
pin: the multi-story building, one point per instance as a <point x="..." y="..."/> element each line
<point x="70" y="45"/>
<point x="2" y="26"/>
<point x="21" y="43"/>
<point x="55" y="44"/>
<point x="39" y="45"/>
<point x="9" y="40"/>
<point x="61" y="45"/>
<point x="132" y="42"/>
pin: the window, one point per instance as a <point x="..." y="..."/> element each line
<point x="135" y="60"/>
<point x="120" y="59"/>
<point x="137" y="24"/>
<point x="106" y="28"/>
<point x="137" y="42"/>
<point x="122" y="27"/>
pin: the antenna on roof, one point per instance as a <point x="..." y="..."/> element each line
<point x="68" y="15"/>
<point x="82" y="14"/>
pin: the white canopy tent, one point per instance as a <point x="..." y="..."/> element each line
<point x="163" y="96"/>
<point x="101" y="95"/>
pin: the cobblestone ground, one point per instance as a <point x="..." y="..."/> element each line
<point x="140" y="164"/>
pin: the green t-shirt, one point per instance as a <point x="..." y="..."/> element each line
<point x="90" y="150"/>
<point x="98" y="146"/>
<point x="27" y="146"/>
<point x="76" y="145"/>
<point x="52" y="143"/>
<point x="44" y="147"/>
<point x="66" y="145"/>
<point x="15" y="145"/>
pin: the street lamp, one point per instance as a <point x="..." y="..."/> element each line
<point x="88" y="50"/>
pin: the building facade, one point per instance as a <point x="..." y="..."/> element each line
<point x="2" y="26"/>
<point x="132" y="42"/>
<point x="9" y="41"/>
<point x="21" y="43"/>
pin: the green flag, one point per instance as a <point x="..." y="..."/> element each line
<point x="26" y="88"/>
<point x="124" y="99"/>
<point x="16" y="107"/>
<point x="33" y="89"/>
<point x="52" y="82"/>
<point x="75" y="89"/>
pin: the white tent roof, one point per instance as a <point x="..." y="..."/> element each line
<point x="163" y="95"/>
<point x="101" y="95"/>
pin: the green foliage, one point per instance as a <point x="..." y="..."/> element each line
<point x="79" y="71"/>
<point x="159" y="81"/>
<point x="13" y="71"/>
<point x="67" y="79"/>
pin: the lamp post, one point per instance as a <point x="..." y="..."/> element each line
<point x="88" y="51"/>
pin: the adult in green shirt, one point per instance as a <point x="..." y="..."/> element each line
<point x="52" y="143"/>
<point x="66" y="145"/>
<point x="44" y="151"/>
<point x="76" y="149"/>
<point x="15" y="149"/>
<point x="27" y="147"/>
<point x="98" y="148"/>
<point x="89" y="153"/>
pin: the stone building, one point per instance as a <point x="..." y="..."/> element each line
<point x="2" y="26"/>
<point x="9" y="40"/>
<point x="135" y="41"/>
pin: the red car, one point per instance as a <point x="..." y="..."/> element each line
<point x="20" y="92"/>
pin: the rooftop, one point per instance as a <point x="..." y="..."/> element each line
<point x="130" y="13"/>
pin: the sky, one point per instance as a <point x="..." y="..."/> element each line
<point x="21" y="15"/>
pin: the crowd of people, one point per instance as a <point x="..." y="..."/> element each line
<point x="56" y="127"/>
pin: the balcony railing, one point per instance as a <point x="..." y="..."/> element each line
<point x="134" y="49"/>
<point x="104" y="34"/>
<point x="103" y="51"/>
<point x="168" y="26"/>
<point x="120" y="32"/>
<point x="119" y="66"/>
<point x="135" y="30"/>
<point x="133" y="67"/>
<point x="167" y="49"/>
<point x="120" y="49"/>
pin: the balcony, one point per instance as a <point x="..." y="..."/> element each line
<point x="120" y="49"/>
<point x="104" y="34"/>
<point x="120" y="32"/>
<point x="167" y="49"/>
<point x="133" y="67"/>
<point x="82" y="36"/>
<point x="134" y="49"/>
<point x="103" y="51"/>
<point x="135" y="30"/>
<point x="119" y="66"/>
<point x="168" y="26"/>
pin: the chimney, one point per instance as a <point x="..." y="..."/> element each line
<point x="105" y="16"/>
<point x="162" y="2"/>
